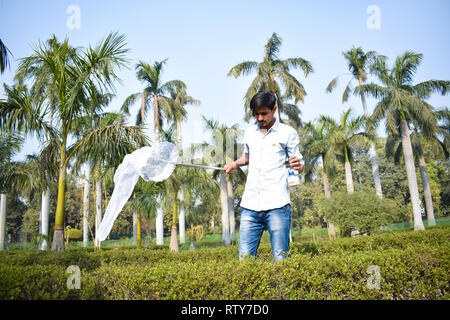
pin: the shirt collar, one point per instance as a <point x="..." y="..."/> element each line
<point x="274" y="127"/>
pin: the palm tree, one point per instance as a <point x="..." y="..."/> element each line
<point x="270" y="70"/>
<point x="67" y="79"/>
<point x="151" y="76"/>
<point x="418" y="142"/>
<point x="224" y="151"/>
<point x="401" y="102"/>
<point x="4" y="59"/>
<point x="316" y="148"/>
<point x="358" y="64"/>
<point x="342" y="138"/>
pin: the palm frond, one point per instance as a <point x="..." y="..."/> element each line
<point x="243" y="69"/>
<point x="4" y="59"/>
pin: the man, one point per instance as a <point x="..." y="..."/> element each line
<point x="265" y="203"/>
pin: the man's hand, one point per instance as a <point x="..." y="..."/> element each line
<point x="295" y="164"/>
<point x="230" y="168"/>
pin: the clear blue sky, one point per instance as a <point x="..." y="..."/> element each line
<point x="204" y="39"/>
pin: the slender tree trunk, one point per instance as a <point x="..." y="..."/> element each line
<point x="277" y="113"/>
<point x="159" y="224"/>
<point x="411" y="175"/>
<point x="45" y="208"/>
<point x="375" y="169"/>
<point x="3" y="210"/>
<point x="173" y="235"/>
<point x="98" y="207"/>
<point x="225" y="214"/>
<point x="348" y="173"/>
<point x="135" y="222"/>
<point x="231" y="216"/>
<point x="86" y="204"/>
<point x="58" y="234"/>
<point x="326" y="188"/>
<point x="212" y="224"/>
<point x="138" y="231"/>
<point x="156" y="118"/>
<point x="426" y="190"/>
<point x="372" y="153"/>
<point x="143" y="102"/>
<point x="182" y="218"/>
<point x="192" y="246"/>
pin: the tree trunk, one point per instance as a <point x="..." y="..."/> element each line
<point x="45" y="207"/>
<point x="372" y="153"/>
<point x="192" y="246"/>
<point x="58" y="234"/>
<point x="326" y="188"/>
<point x="143" y="100"/>
<point x="231" y="216"/>
<point x="427" y="191"/>
<point x="3" y="210"/>
<point x="135" y="222"/>
<point x="138" y="231"/>
<point x="225" y="214"/>
<point x="375" y="169"/>
<point x="182" y="218"/>
<point x="411" y="175"/>
<point x="86" y="204"/>
<point x="348" y="173"/>
<point x="173" y="235"/>
<point x="212" y="223"/>
<point x="156" y="118"/>
<point x="98" y="207"/>
<point x="326" y="185"/>
<point x="159" y="224"/>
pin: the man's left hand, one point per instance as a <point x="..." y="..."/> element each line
<point x="295" y="164"/>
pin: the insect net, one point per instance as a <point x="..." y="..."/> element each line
<point x="154" y="163"/>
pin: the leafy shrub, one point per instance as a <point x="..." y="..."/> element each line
<point x="413" y="265"/>
<point x="361" y="211"/>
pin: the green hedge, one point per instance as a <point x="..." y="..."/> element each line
<point x="413" y="265"/>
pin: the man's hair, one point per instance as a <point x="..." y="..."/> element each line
<point x="263" y="99"/>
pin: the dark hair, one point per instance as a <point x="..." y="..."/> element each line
<point x="263" y="99"/>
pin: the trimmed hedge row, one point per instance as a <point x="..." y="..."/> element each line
<point x="412" y="265"/>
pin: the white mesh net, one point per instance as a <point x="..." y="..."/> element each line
<point x="154" y="163"/>
<point x="158" y="162"/>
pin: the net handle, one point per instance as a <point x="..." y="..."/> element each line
<point x="199" y="166"/>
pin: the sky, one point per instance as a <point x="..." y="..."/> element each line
<point x="203" y="40"/>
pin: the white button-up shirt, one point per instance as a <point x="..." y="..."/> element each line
<point x="267" y="180"/>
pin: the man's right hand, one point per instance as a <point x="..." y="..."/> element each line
<point x="230" y="168"/>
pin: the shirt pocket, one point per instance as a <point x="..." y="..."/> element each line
<point x="277" y="152"/>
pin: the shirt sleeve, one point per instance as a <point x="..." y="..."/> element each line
<point x="245" y="142"/>
<point x="293" y="145"/>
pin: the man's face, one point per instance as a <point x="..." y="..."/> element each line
<point x="264" y="116"/>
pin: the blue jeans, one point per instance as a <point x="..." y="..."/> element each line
<point x="253" y="224"/>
